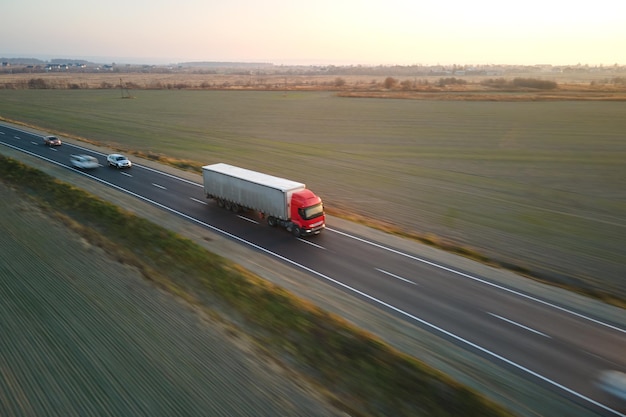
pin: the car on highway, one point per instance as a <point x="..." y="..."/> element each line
<point x="51" y="141"/>
<point x="613" y="383"/>
<point x="84" y="162"/>
<point x="118" y="161"/>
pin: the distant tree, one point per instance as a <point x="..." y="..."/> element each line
<point x="406" y="85"/>
<point x="38" y="83"/>
<point x="339" y="82"/>
<point x="390" y="82"/>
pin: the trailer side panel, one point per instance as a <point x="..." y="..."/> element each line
<point x="254" y="190"/>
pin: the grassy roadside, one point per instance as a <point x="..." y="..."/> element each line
<point x="365" y="376"/>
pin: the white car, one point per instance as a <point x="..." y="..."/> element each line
<point x="84" y="161"/>
<point x="118" y="161"/>
<point x="613" y="383"/>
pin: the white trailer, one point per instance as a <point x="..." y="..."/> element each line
<point x="283" y="202"/>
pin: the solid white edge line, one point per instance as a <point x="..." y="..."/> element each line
<point x="519" y="325"/>
<point x="395" y="276"/>
<point x="482" y="281"/>
<point x="347" y="287"/>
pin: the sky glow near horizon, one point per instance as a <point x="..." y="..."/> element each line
<point x="339" y="32"/>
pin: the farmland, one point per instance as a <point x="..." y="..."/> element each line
<point x="144" y="321"/>
<point x="539" y="187"/>
<point x="85" y="335"/>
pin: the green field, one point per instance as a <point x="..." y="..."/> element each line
<point x="540" y="186"/>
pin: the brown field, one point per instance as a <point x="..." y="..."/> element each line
<point x="570" y="86"/>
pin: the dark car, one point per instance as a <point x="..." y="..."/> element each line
<point x="51" y="141"/>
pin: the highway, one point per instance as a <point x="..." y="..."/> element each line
<point x="555" y="346"/>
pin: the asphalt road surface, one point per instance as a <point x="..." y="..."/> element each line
<point x="555" y="346"/>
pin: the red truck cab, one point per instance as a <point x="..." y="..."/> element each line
<point x="307" y="213"/>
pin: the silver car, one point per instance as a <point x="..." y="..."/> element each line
<point x="118" y="161"/>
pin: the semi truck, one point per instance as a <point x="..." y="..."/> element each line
<point x="282" y="202"/>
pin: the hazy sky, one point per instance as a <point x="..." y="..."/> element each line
<point x="337" y="32"/>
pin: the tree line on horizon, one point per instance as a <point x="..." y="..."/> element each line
<point x="389" y="83"/>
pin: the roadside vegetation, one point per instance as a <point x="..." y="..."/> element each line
<point x="361" y="374"/>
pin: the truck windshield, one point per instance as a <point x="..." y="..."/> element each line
<point x="312" y="212"/>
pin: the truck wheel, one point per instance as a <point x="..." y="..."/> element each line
<point x="271" y="221"/>
<point x="296" y="231"/>
<point x="220" y="203"/>
<point x="227" y="205"/>
<point x="236" y="208"/>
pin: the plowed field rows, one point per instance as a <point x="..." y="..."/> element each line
<point x="82" y="335"/>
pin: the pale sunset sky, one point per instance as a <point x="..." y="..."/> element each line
<point x="339" y="32"/>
